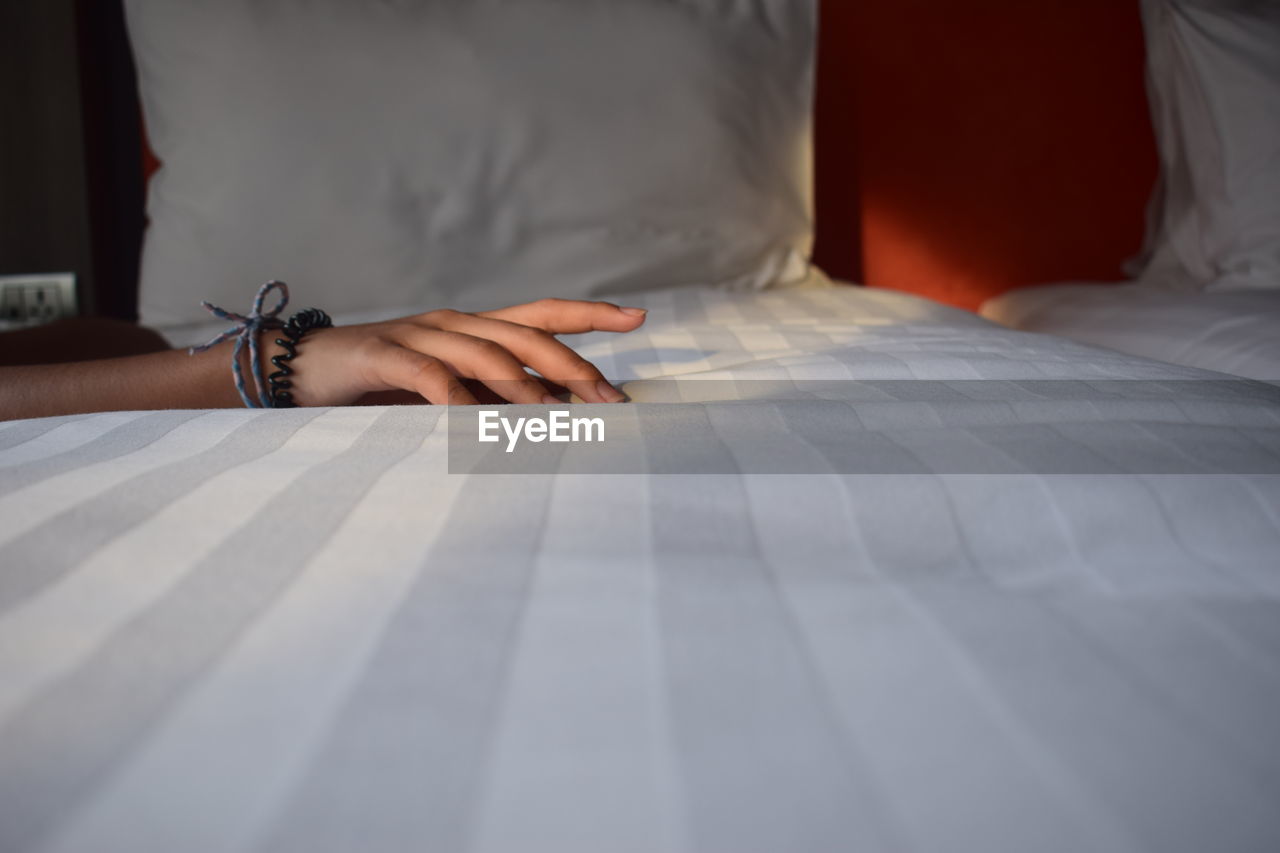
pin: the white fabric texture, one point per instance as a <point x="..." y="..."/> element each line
<point x="472" y="154"/>
<point x="1235" y="332"/>
<point x="293" y="630"/>
<point x="1214" y="86"/>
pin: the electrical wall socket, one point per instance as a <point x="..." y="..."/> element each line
<point x="26" y="300"/>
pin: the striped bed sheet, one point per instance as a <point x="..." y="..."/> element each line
<point x="299" y="630"/>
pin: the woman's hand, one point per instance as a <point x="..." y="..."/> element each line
<point x="430" y="354"/>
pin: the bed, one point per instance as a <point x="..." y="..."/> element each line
<point x="853" y="570"/>
<point x="1045" y="619"/>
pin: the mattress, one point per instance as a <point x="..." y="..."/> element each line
<point x="1235" y="332"/>
<point x="1049" y="618"/>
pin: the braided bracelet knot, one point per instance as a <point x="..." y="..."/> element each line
<point x="273" y="392"/>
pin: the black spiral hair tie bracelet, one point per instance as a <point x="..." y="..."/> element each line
<point x="294" y="328"/>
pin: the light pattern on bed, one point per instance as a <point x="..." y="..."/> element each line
<point x="294" y="630"/>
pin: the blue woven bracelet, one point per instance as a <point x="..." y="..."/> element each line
<point x="246" y="334"/>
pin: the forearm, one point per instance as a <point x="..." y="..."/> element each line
<point x="426" y="355"/>
<point x="163" y="380"/>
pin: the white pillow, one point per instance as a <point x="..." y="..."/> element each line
<point x="1227" y="331"/>
<point x="1214" y="82"/>
<point x="471" y="153"/>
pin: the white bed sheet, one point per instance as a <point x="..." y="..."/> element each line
<point x="293" y="630"/>
<point x="1235" y="332"/>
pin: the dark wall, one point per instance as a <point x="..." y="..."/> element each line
<point x="109" y="89"/>
<point x="70" y="177"/>
<point x="44" y="206"/>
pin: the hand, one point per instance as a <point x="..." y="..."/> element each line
<point x="430" y="354"/>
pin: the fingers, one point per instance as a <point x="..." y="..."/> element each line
<point x="399" y="367"/>
<point x="479" y="358"/>
<point x="430" y="352"/>
<point x="541" y="351"/>
<point x="570" y="316"/>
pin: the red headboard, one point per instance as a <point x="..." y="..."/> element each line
<point x="966" y="147"/>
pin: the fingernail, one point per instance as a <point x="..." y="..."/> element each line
<point x="548" y="400"/>
<point x="634" y="312"/>
<point x="609" y="393"/>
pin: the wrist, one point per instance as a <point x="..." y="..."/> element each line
<point x="256" y="377"/>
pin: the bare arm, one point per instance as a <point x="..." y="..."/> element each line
<point x="162" y="380"/>
<point x="427" y="354"/>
